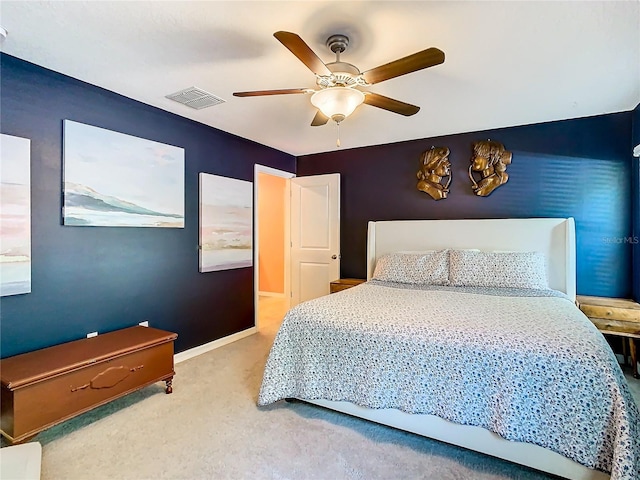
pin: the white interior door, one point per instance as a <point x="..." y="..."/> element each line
<point x="315" y="235"/>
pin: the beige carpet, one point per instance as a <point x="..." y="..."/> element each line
<point x="210" y="428"/>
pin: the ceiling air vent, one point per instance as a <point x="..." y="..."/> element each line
<point x="195" y="98"/>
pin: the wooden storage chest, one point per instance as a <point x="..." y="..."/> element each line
<point x="45" y="387"/>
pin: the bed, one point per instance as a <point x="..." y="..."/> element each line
<point x="514" y="371"/>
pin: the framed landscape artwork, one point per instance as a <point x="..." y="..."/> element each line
<point x="226" y="223"/>
<point x="117" y="180"/>
<point x="15" y="215"/>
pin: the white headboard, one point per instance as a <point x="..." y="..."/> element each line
<point x="554" y="237"/>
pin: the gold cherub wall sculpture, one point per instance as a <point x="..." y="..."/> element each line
<point x="434" y="166"/>
<point x="490" y="159"/>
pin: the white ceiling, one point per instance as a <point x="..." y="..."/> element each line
<point x="507" y="63"/>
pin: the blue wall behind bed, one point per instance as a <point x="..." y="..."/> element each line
<point x="579" y="168"/>
<point x="103" y="278"/>
<point x="636" y="205"/>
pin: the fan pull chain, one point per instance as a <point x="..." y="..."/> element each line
<point x="338" y="134"/>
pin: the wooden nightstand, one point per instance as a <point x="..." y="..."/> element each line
<point x="344" y="283"/>
<point x="615" y="316"/>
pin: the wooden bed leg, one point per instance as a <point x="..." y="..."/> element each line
<point x="625" y="350"/>
<point x="634" y="357"/>
<point x="169" y="388"/>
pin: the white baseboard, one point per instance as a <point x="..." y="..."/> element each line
<point x="207" y="347"/>
<point x="271" y="294"/>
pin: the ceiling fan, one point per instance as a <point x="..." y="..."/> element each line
<point x="338" y="93"/>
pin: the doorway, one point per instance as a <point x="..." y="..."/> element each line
<point x="271" y="246"/>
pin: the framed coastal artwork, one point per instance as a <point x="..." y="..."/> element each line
<point x="117" y="180"/>
<point x="226" y="223"/>
<point x="15" y="215"/>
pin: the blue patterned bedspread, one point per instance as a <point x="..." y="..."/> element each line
<point x="525" y="364"/>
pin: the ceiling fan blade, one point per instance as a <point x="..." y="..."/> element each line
<point x="285" y="91"/>
<point x="319" y="119"/>
<point x="390" y="104"/>
<point x="300" y="49"/>
<point x="417" y="61"/>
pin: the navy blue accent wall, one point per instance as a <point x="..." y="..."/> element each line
<point x="635" y="168"/>
<point x="100" y="278"/>
<point x="577" y="168"/>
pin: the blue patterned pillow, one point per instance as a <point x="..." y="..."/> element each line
<point x="498" y="269"/>
<point x="424" y="268"/>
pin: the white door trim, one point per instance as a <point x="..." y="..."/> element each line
<point x="256" y="225"/>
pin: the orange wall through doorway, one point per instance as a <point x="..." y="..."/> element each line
<point x="271" y="209"/>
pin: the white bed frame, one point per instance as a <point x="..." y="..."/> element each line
<point x="555" y="237"/>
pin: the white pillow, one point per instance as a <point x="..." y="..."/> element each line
<point x="498" y="269"/>
<point x="423" y="268"/>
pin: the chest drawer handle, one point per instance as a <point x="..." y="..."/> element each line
<point x="79" y="388"/>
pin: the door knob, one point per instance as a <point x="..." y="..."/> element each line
<point x="333" y="257"/>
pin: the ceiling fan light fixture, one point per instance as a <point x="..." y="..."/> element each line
<point x="337" y="103"/>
